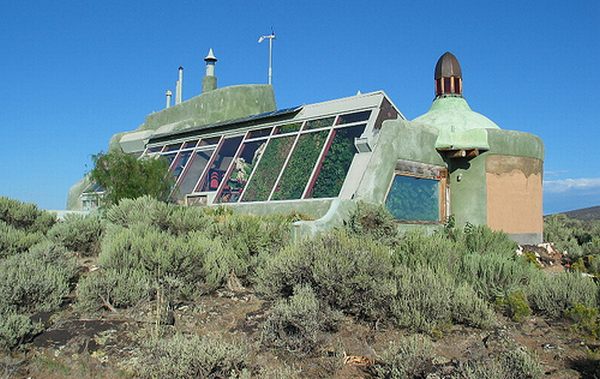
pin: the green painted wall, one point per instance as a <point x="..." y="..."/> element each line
<point x="398" y="139"/>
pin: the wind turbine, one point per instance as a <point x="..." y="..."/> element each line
<point x="270" y="37"/>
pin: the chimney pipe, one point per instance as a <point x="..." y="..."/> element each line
<point x="168" y="94"/>
<point x="209" y="82"/>
<point x="179" y="88"/>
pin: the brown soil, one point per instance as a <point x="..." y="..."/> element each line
<point x="104" y="347"/>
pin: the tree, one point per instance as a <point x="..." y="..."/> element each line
<point x="123" y="176"/>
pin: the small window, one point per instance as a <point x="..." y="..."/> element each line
<point x="353" y="117"/>
<point x="288" y="128"/>
<point x="259" y="133"/>
<point x="209" y="141"/>
<point x="320" y="123"/>
<point x="173" y="147"/>
<point x="447" y="86"/>
<point x="154" y="149"/>
<point x="190" y="144"/>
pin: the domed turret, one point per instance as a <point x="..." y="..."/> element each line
<point x="448" y="76"/>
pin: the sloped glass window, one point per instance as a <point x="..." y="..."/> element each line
<point x="353" y="117"/>
<point x="180" y="162"/>
<point x="268" y="169"/>
<point x="154" y="149"/>
<point x="338" y="158"/>
<point x="173" y="147"/>
<point x="241" y="170"/>
<point x="288" y="128"/>
<point x="190" y="144"/>
<point x="300" y="166"/>
<point x="223" y="158"/>
<point x="209" y="141"/>
<point x="170" y="157"/>
<point x="194" y="171"/>
<point x="259" y="133"/>
<point x="414" y="199"/>
<point x="320" y="123"/>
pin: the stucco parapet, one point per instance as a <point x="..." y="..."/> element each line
<point x="512" y="142"/>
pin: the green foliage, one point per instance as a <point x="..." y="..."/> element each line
<point x="112" y="287"/>
<point x="337" y="162"/>
<point x="289" y="128"/>
<point x="25" y="216"/>
<point x="428" y="300"/>
<point x="372" y="221"/>
<point x="14" y="241"/>
<point x="79" y="233"/>
<point x="349" y="273"/>
<point x="297" y="323"/>
<point x="300" y="166"/>
<point x="410" y="357"/>
<point x="482" y="240"/>
<point x="515" y="305"/>
<point x="144" y="210"/>
<point x="586" y="319"/>
<point x="15" y="329"/>
<point x="267" y="171"/>
<point x="37" y="280"/>
<point x="124" y="176"/>
<point x="552" y="295"/>
<point x="515" y="363"/>
<point x="320" y="123"/>
<point x="191" y="356"/>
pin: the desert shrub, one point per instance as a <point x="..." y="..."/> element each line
<point x="560" y="230"/>
<point x="494" y="274"/>
<point x="191" y="356"/>
<point x="468" y="308"/>
<point x="371" y="220"/>
<point x="284" y="372"/>
<point x="181" y="220"/>
<point x="518" y="364"/>
<point x="437" y="251"/>
<point x="112" y="288"/>
<point x="585" y="319"/>
<point x="349" y="273"/>
<point x="219" y="263"/>
<point x="79" y="233"/>
<point x="423" y="298"/>
<point x="514" y="305"/>
<point x="25" y="216"/>
<point x="15" y="329"/>
<point x="14" y="241"/>
<point x="297" y="323"/>
<point x="481" y="239"/>
<point x="411" y="357"/>
<point x="142" y="210"/>
<point x="36" y="280"/>
<point x="160" y="255"/>
<point x="552" y="295"/>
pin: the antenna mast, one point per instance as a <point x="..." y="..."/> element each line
<point x="270" y="37"/>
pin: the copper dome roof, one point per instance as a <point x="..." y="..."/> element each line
<point x="447" y="66"/>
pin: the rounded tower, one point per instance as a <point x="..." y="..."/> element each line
<point x="448" y="76"/>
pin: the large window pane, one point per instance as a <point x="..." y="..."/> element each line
<point x="180" y="162"/>
<point x="353" y="117"/>
<point x="219" y="167"/>
<point x="268" y="169"/>
<point x="241" y="170"/>
<point x="333" y="171"/>
<point x="193" y="172"/>
<point x="288" y="128"/>
<point x="414" y="199"/>
<point x="300" y="166"/>
<point x="170" y="157"/>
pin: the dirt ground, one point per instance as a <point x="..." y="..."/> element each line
<point x="105" y="346"/>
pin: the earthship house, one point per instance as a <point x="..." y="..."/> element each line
<point x="231" y="146"/>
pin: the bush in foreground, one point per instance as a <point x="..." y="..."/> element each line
<point x="191" y="356"/>
<point x="79" y="233"/>
<point x="297" y="324"/>
<point x="25" y="216"/>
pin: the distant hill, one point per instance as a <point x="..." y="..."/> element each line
<point x="585" y="214"/>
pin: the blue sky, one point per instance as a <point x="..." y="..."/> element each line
<point x="75" y="72"/>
